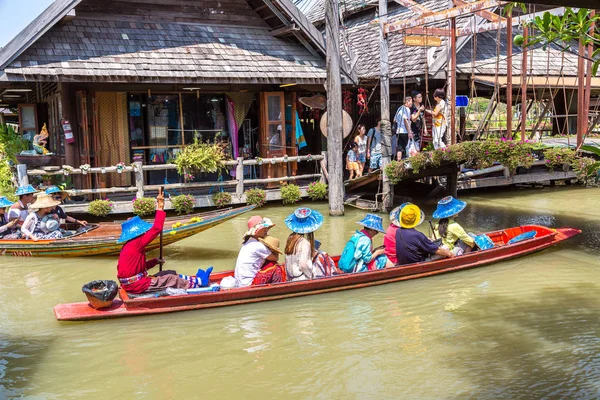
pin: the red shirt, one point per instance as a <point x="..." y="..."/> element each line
<point x="389" y="242"/>
<point x="132" y="259"/>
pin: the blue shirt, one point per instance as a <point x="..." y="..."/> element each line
<point x="412" y="246"/>
<point x="351" y="156"/>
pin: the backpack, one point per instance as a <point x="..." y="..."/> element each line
<point x="347" y="262"/>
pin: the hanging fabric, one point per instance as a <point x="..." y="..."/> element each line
<point x="300" y="139"/>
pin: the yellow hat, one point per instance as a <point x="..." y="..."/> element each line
<point x="272" y="243"/>
<point x="410" y="216"/>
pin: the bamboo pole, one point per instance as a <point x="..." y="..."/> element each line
<point x="509" y="85"/>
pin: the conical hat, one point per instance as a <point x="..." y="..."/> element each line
<point x="346" y="123"/>
<point x="318" y="101"/>
<point x="44" y="201"/>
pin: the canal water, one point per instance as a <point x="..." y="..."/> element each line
<point x="522" y="329"/>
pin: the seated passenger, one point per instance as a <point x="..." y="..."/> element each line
<point x="271" y="271"/>
<point x="389" y="240"/>
<point x="132" y="267"/>
<point x="454" y="237"/>
<point x="60" y="195"/>
<point x="7" y="228"/>
<point x="411" y="245"/>
<point x="19" y="211"/>
<point x="253" y="253"/>
<point x="358" y="255"/>
<point x="38" y="224"/>
<point x="323" y="264"/>
<point x="299" y="250"/>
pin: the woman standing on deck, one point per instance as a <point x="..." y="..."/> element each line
<point x="361" y="142"/>
<point x="299" y="250"/>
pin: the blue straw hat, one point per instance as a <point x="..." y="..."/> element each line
<point x="55" y="189"/>
<point x="22" y="190"/>
<point x="304" y="220"/>
<point x="133" y="228"/>
<point x="395" y="215"/>
<point x="448" y="207"/>
<point x="4" y="202"/>
<point x="372" y="221"/>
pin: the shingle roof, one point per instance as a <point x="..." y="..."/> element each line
<point x="119" y="51"/>
<point x="347" y="7"/>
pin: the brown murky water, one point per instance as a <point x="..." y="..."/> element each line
<point x="528" y="328"/>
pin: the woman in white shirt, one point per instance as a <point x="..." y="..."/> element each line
<point x="361" y="141"/>
<point x="253" y="253"/>
<point x="37" y="227"/>
<point x="19" y="211"/>
<point x="299" y="250"/>
<point x="440" y="125"/>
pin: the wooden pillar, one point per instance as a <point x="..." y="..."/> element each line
<point x="452" y="90"/>
<point x="509" y="52"/>
<point x="323" y="164"/>
<point x="22" y="177"/>
<point x="384" y="87"/>
<point x="452" y="182"/>
<point x="139" y="179"/>
<point x="588" y="80"/>
<point x="69" y="113"/>
<point x="335" y="134"/>
<point x="524" y="86"/>
<point x="239" y="174"/>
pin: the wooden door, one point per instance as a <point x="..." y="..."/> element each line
<point x="272" y="132"/>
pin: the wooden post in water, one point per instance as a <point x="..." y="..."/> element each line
<point x="139" y="179"/>
<point x="335" y="162"/>
<point x="452" y="86"/>
<point x="384" y="88"/>
<point x="524" y="86"/>
<point x="239" y="175"/>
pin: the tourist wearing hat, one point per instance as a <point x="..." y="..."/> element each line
<point x="389" y="240"/>
<point x="7" y="228"/>
<point x="19" y="210"/>
<point x="413" y="246"/>
<point x="299" y="249"/>
<point x="60" y="214"/>
<point x="39" y="224"/>
<point x="253" y="253"/>
<point x="359" y="255"/>
<point x="271" y="271"/>
<point x="454" y="237"/>
<point x="132" y="268"/>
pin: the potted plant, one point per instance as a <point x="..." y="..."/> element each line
<point x="67" y="169"/>
<point x="85" y="168"/>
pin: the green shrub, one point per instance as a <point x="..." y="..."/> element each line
<point x="199" y="157"/>
<point x="257" y="197"/>
<point x="183" y="204"/>
<point x="558" y="156"/>
<point x="100" y="208"/>
<point x="290" y="193"/>
<point x="144" y="206"/>
<point x="221" y="199"/>
<point x="12" y="143"/>
<point x="317" y="190"/>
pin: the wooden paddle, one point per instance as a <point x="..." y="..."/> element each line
<point x="160" y="241"/>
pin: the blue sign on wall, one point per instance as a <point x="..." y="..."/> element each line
<point x="462" y="101"/>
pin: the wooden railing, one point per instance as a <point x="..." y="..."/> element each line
<point x="140" y="187"/>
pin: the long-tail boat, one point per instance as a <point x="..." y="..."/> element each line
<point x="101" y="239"/>
<point x="501" y="249"/>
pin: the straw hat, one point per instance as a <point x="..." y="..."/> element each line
<point x="44" y="201"/>
<point x="5" y="202"/>
<point x="133" y="228"/>
<point x="410" y="216"/>
<point x="372" y="221"/>
<point x="346" y="123"/>
<point x="272" y="244"/>
<point x="256" y="224"/>
<point x="395" y="215"/>
<point x="304" y="220"/>
<point x="53" y="190"/>
<point x="22" y="190"/>
<point x="448" y="207"/>
<point x="317" y="101"/>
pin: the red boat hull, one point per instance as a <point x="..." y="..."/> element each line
<point x="129" y="307"/>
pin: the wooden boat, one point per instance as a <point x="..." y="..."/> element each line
<point x="127" y="306"/>
<point x="101" y="239"/>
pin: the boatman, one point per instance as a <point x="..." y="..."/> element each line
<point x="132" y="269"/>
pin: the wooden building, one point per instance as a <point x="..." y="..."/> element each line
<point x="135" y="80"/>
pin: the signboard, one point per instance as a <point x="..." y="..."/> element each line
<point x="431" y="41"/>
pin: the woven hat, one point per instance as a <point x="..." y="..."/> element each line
<point x="448" y="207"/>
<point x="410" y="216"/>
<point x="395" y="215"/>
<point x="317" y="101"/>
<point x="4" y="202"/>
<point x="304" y="220"/>
<point x="372" y="221"/>
<point x="133" y="228"/>
<point x="44" y="201"/>
<point x="272" y="243"/>
<point x="346" y="124"/>
<point x="28" y="189"/>
<point x="256" y="224"/>
<point x="55" y="189"/>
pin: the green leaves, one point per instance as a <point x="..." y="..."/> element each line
<point x="199" y="157"/>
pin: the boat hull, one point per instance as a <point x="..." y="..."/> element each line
<point x="103" y="240"/>
<point x="132" y="307"/>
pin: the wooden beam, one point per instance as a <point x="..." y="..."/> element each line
<point x="384" y="90"/>
<point x="285" y="30"/>
<point x="442" y="15"/>
<point x="452" y="87"/>
<point x="485" y="14"/>
<point x="524" y="108"/>
<point x="509" y="86"/>
<point x="416" y="7"/>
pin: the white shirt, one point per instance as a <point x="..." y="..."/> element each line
<point x="251" y="258"/>
<point x="402" y="115"/>
<point x="298" y="266"/>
